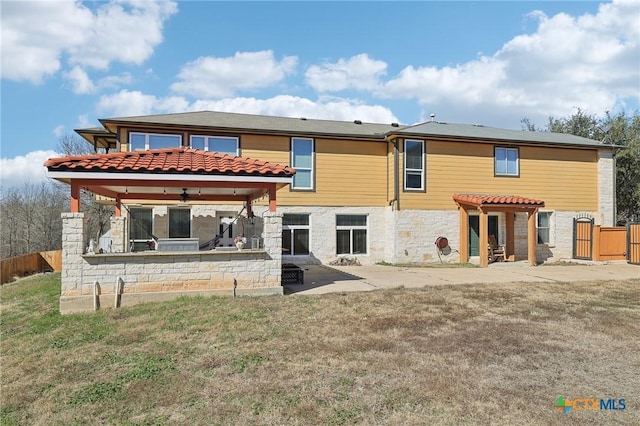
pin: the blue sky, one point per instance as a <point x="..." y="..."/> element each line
<point x="66" y="64"/>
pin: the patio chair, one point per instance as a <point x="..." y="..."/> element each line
<point x="496" y="251"/>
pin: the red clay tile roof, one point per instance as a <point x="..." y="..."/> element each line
<point x="496" y="200"/>
<point x="172" y="160"/>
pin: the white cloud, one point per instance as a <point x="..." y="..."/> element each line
<point x="293" y="106"/>
<point x="36" y="34"/>
<point x="211" y="77"/>
<point x="22" y="169"/>
<point x="126" y="103"/>
<point x="132" y="103"/>
<point x="591" y="62"/>
<point x="80" y="81"/>
<point x="358" y="72"/>
<point x="83" y="121"/>
<point x="115" y="81"/>
<point x="59" y="131"/>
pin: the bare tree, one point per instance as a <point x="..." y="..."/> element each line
<point x="98" y="214"/>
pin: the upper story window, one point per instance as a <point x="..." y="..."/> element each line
<point x="302" y="160"/>
<point x="222" y="144"/>
<point x="414" y="165"/>
<point x="507" y="162"/>
<point x="144" y="141"/>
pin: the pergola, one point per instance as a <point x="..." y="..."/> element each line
<point x="160" y="175"/>
<point x="507" y="204"/>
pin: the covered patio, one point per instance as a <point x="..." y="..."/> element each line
<point x="178" y="176"/>
<point x="509" y="205"/>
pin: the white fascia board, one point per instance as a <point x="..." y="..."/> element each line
<point x="166" y="177"/>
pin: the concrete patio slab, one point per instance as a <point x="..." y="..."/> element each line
<point x="319" y="279"/>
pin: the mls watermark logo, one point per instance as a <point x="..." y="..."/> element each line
<point x="589" y="404"/>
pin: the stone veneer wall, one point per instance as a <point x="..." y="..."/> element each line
<point x="561" y="236"/>
<point x="416" y="232"/>
<point x="606" y="189"/>
<point x="154" y="276"/>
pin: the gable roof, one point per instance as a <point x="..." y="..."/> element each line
<point x="169" y="161"/>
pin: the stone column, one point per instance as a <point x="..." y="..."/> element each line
<point x="72" y="249"/>
<point x="606" y="188"/>
<point x="118" y="235"/>
<point x="272" y="235"/>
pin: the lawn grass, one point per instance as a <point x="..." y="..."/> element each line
<point x="476" y="354"/>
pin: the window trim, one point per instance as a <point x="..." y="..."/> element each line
<point x="551" y="241"/>
<point x="351" y="228"/>
<point x="292" y="228"/>
<point x="312" y="188"/>
<point x="422" y="170"/>
<point x="146" y="139"/>
<point x="206" y="141"/>
<point x="495" y="162"/>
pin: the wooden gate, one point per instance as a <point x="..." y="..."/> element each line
<point x="583" y="238"/>
<point x="633" y="242"/>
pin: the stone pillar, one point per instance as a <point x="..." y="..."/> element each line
<point x="72" y="250"/>
<point x="118" y="235"/>
<point x="606" y="188"/>
<point x="272" y="235"/>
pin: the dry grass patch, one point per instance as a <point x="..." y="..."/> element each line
<point x="489" y="354"/>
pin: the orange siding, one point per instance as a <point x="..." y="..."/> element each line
<point x="566" y="179"/>
<point x="348" y="173"/>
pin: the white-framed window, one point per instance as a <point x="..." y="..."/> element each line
<point x="179" y="223"/>
<point x="507" y="162"/>
<point x="145" y="141"/>
<point x="351" y="234"/>
<point x="414" y="165"/>
<point x="544" y="227"/>
<point x="222" y="144"/>
<point x="295" y="234"/>
<point x="302" y="159"/>
<point x="140" y="228"/>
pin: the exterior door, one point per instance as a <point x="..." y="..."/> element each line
<point x="474" y="233"/>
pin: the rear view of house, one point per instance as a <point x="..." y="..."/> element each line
<point x="195" y="182"/>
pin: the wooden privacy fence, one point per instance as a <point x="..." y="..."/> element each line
<point x="633" y="242"/>
<point x="30" y="264"/>
<point x="609" y="243"/>
<point x="595" y="242"/>
<point x="583" y="238"/>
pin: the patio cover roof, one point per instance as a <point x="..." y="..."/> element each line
<point x="509" y="204"/>
<point x="487" y="200"/>
<point x="166" y="174"/>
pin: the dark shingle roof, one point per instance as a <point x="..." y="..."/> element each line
<point x="228" y="120"/>
<point x="225" y="121"/>
<point x="434" y="128"/>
